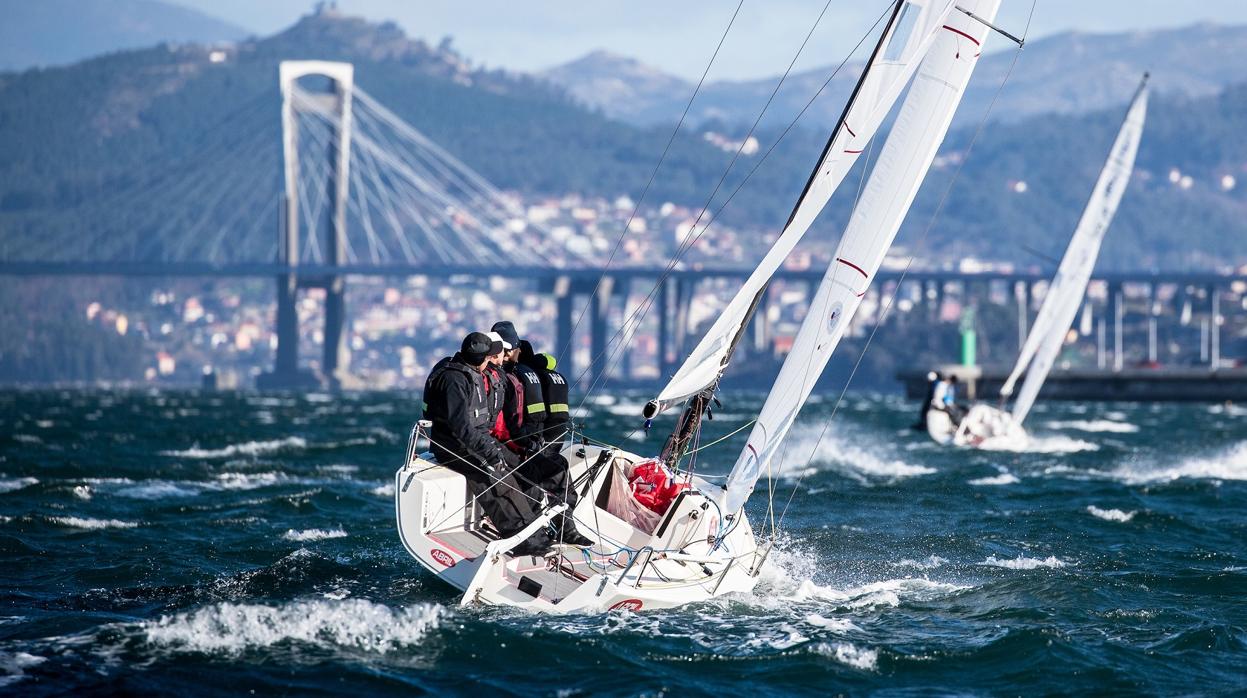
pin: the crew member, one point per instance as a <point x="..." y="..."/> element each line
<point x="542" y="465"/>
<point x="945" y="398"/>
<point x="554" y="391"/>
<point x="459" y="407"/>
<point x="933" y="379"/>
<point x="524" y="409"/>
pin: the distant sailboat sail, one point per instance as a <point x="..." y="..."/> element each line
<point x="1064" y="296"/>
<point x="906" y="38"/>
<point x="920" y="128"/>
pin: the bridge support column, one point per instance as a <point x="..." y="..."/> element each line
<point x="599" y="311"/>
<point x="1214" y="326"/>
<point x="1118" y="310"/>
<point x="287" y="361"/>
<point x="563" y="327"/>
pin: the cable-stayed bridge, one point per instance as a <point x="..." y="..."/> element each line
<point x="339" y="185"/>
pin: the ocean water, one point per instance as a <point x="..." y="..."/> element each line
<point x="179" y="542"/>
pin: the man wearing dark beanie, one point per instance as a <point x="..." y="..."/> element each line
<point x="456" y="402"/>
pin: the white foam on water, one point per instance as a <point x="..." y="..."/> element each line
<point x="1040" y="444"/>
<point x="864" y="461"/>
<point x="82" y="491"/>
<point x="339" y="469"/>
<point x="1095" y="426"/>
<point x="1228" y="464"/>
<point x="14" y="665"/>
<point x="13" y="484"/>
<point x="1024" y="563"/>
<point x="247" y="448"/>
<point x="836" y="625"/>
<point x="1005" y="478"/>
<point x="386" y="490"/>
<point x="314" y="534"/>
<point x="930" y="563"/>
<point x="1116" y="515"/>
<point x="27" y="439"/>
<point x="231" y="629"/>
<point x="90" y="524"/>
<point x="847" y="653"/>
<point x="160" y="489"/>
<point x="250" y="481"/>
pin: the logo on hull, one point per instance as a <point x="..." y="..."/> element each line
<point x="628" y="605"/>
<point x="443" y="558"/>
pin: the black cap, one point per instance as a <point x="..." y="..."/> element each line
<point x="476" y="347"/>
<point x="496" y="345"/>
<point x="506" y="329"/>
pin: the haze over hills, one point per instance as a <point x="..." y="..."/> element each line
<point x="54" y="32"/>
<point x="1068" y="73"/>
<point x="71" y="137"/>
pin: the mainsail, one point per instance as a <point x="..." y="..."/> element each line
<point x="1064" y="296"/>
<point x="911" y="146"/>
<point x="910" y="30"/>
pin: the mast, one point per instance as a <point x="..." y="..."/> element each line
<point x="690" y="419"/>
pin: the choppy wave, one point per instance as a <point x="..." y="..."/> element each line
<point x="1095" y="426"/>
<point x="1005" y="478"/>
<point x="14" y="665"/>
<point x="229" y="628"/>
<point x="1042" y="444"/>
<point x="91" y="524"/>
<point x="314" y="534"/>
<point x="1116" y="515"/>
<point x="1230" y="464"/>
<point x="1024" y="563"/>
<point x="846" y="454"/>
<point x="847" y="653"/>
<point x="247" y="448"/>
<point x="16" y="483"/>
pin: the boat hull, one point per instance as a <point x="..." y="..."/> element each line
<point x="692" y="555"/>
<point x="983" y="427"/>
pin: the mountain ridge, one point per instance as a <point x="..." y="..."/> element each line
<point x="1068" y="73"/>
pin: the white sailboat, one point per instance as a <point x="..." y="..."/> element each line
<point x="703" y="546"/>
<point x="988" y="427"/>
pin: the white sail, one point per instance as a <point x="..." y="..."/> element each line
<point x="1065" y="295"/>
<point x="911" y="146"/>
<point x="909" y="33"/>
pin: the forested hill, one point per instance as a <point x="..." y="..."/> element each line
<point x="69" y="137"/>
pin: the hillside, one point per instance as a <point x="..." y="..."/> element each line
<point x="55" y="32"/>
<point x="1069" y="73"/>
<point x="72" y="137"/>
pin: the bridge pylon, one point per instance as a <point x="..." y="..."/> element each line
<point x="337" y="100"/>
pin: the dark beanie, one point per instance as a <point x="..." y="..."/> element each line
<point x="475" y="348"/>
<point x="506" y="329"/>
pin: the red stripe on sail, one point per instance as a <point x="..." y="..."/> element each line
<point x="958" y="31"/>
<point x="853" y="266"/>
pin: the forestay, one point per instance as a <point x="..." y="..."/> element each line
<point x="907" y="36"/>
<point x="1064" y="296"/>
<point x="911" y="146"/>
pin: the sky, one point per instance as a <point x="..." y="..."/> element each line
<point x="679" y="36"/>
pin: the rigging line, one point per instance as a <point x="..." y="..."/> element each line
<point x="921" y="242"/>
<point x="653" y="175"/>
<point x="695" y="235"/>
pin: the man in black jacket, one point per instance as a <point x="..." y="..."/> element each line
<point x="458" y="406"/>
